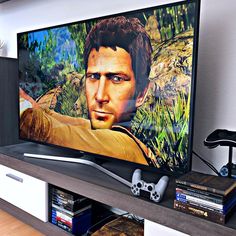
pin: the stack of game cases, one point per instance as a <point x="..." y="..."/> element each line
<point x="207" y="196"/>
<point x="70" y="211"/>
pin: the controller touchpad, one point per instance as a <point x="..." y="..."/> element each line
<point x="144" y="194"/>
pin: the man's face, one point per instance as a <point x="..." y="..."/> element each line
<point x="110" y="87"/>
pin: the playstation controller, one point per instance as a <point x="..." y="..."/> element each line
<point x="224" y="137"/>
<point x="154" y="191"/>
<point x="221" y="137"/>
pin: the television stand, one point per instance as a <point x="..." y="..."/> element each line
<point x="96" y="185"/>
<point x="80" y="161"/>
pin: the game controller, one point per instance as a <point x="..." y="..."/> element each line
<point x="221" y="137"/>
<point x="224" y="137"/>
<point x="155" y="191"/>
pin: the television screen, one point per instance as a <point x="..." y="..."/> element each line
<point x="119" y="86"/>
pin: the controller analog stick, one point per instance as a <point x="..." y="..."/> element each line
<point x="139" y="185"/>
<point x="150" y="188"/>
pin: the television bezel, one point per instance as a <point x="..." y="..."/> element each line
<point x="192" y="86"/>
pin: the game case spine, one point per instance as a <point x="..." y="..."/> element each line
<point x="62" y="216"/>
<point x="200" y="212"/>
<point x="67" y="222"/>
<point x="200" y="201"/>
<point x="62" y="194"/>
<point x="69" y="213"/>
<point x="64" y="226"/>
<point x="198" y="191"/>
<point x="66" y="206"/>
<point x="199" y="205"/>
<point x="62" y="223"/>
<point x="206" y="188"/>
<point x="60" y="200"/>
<point x="224" y="208"/>
<point x="70" y="207"/>
<point x="66" y="195"/>
<point x="201" y="196"/>
<point x="67" y="200"/>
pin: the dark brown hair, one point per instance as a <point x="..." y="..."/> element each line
<point x="126" y="33"/>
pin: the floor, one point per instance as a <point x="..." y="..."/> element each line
<point x="10" y="226"/>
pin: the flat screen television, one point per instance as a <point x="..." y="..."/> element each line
<point x="120" y="86"/>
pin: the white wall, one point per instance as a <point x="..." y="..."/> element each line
<point x="22" y="15"/>
<point x="217" y="49"/>
<point x="216" y="84"/>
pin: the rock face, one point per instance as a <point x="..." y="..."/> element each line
<point x="172" y="67"/>
<point x="67" y="98"/>
<point x="151" y="28"/>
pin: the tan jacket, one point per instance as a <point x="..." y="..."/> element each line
<point x="54" y="128"/>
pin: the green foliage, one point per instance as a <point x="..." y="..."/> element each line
<point x="164" y="129"/>
<point x="46" y="52"/>
<point x="66" y="100"/>
<point x="23" y="41"/>
<point x="78" y="34"/>
<point x="49" y="57"/>
<point x="174" y="20"/>
<point x="53" y="57"/>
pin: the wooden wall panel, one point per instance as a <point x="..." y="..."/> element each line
<point x="8" y="101"/>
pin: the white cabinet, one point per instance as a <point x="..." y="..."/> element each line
<point x="152" y="228"/>
<point x="24" y="191"/>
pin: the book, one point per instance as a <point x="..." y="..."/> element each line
<point x="206" y="182"/>
<point x="201" y="212"/>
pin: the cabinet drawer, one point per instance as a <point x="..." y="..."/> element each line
<point x="24" y="191"/>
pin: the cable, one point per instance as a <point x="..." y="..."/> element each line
<point x="207" y="163"/>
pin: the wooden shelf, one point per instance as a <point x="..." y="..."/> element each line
<point x="89" y="182"/>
